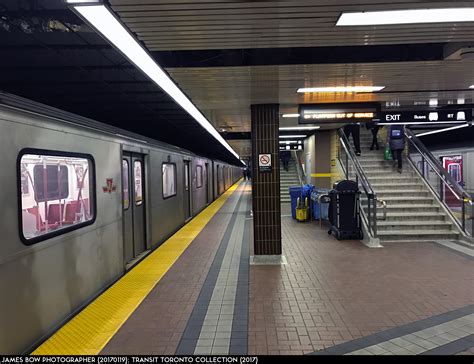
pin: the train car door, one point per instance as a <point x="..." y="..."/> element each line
<point x="218" y="180"/>
<point x="187" y="189"/>
<point x="206" y="182"/>
<point x="133" y="179"/>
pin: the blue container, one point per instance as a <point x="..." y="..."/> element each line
<point x="295" y="193"/>
<point x="315" y="204"/>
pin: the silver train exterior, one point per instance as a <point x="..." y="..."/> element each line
<point x="43" y="284"/>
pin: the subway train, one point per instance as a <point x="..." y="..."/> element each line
<point x="81" y="203"/>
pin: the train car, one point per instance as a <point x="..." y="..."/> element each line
<point x="82" y="202"/>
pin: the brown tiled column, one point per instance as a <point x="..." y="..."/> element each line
<point x="266" y="185"/>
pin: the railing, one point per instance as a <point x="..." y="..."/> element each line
<point x="350" y="164"/>
<point x="448" y="191"/>
<point x="299" y="169"/>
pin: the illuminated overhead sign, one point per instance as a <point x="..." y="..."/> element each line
<point x="338" y="112"/>
<point x="292" y="147"/>
<point x="428" y="116"/>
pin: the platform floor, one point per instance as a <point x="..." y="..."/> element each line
<point x="332" y="297"/>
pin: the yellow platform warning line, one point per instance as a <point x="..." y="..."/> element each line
<point x="89" y="331"/>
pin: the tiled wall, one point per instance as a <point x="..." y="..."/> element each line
<point x="266" y="185"/>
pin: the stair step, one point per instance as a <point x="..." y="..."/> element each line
<point x="414" y="225"/>
<point x="397" y="186"/>
<point x="400" y="235"/>
<point x="405" y="192"/>
<point x="406" y="208"/>
<point x="410" y="216"/>
<point x="392" y="179"/>
<point x="405" y="200"/>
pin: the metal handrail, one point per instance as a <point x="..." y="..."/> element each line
<point x="438" y="168"/>
<point x="299" y="170"/>
<point x="371" y="218"/>
<point x="447" y="180"/>
<point x="360" y="172"/>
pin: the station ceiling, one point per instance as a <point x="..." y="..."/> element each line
<point x="227" y="55"/>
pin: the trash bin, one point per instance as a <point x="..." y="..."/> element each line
<point x="295" y="193"/>
<point x="315" y="204"/>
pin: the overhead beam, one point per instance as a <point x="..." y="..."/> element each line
<point x="302" y="55"/>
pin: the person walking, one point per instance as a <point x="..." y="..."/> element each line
<point x="374" y="128"/>
<point x="354" y="130"/>
<point x="285" y="158"/>
<point x="396" y="140"/>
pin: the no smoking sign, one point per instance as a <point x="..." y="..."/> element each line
<point x="265" y="162"/>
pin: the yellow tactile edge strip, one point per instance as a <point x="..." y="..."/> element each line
<point x="89" y="331"/>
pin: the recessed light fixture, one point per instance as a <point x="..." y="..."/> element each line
<point x="290" y="115"/>
<point x="292" y="136"/>
<point x="342" y="89"/>
<point x="299" y="127"/>
<point x="412" y="16"/>
<point x="104" y="21"/>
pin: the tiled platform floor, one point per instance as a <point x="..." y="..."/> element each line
<point x="330" y="293"/>
<point x="334" y="291"/>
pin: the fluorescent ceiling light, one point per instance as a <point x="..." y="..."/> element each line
<point x="342" y="89"/>
<point x="299" y="127"/>
<point x="290" y="115"/>
<point x="84" y="1"/>
<point x="424" y="123"/>
<point x="287" y="141"/>
<point x="472" y="86"/>
<point x="448" y="15"/>
<point x="292" y="136"/>
<point x="105" y="22"/>
<point x="442" y="130"/>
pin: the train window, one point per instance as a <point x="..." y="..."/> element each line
<point x="125" y="184"/>
<point x="138" y="177"/>
<point x="198" y="176"/>
<point x="169" y="180"/>
<point x="51" y="182"/>
<point x="56" y="193"/>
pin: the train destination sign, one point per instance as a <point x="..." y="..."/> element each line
<point x="338" y="112"/>
<point x="427" y="116"/>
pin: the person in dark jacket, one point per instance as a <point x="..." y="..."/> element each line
<point x="374" y="128"/>
<point x="285" y="157"/>
<point x="354" y="129"/>
<point x="396" y="139"/>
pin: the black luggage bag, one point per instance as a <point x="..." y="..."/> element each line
<point x="344" y="210"/>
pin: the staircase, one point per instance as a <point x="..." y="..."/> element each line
<point x="413" y="213"/>
<point x="288" y="179"/>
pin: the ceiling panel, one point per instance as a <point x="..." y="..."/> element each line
<point x="225" y="94"/>
<point x="200" y="25"/>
